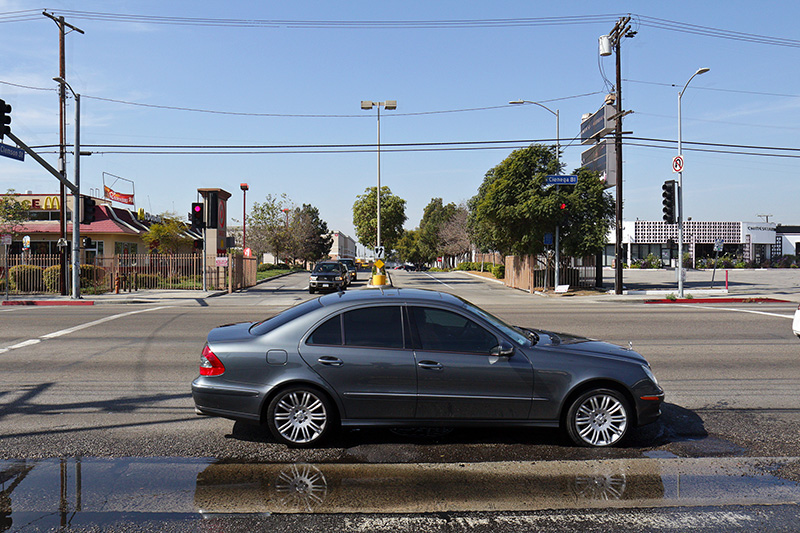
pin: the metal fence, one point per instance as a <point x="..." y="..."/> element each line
<point x="41" y="274"/>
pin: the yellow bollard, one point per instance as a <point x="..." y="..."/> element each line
<point x="379" y="279"/>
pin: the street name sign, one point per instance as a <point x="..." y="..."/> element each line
<point x="12" y="151"/>
<point x="561" y="180"/>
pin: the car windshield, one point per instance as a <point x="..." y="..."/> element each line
<point x="348" y="262"/>
<point x="513" y="333"/>
<point x="326" y="267"/>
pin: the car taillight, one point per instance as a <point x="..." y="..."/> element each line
<point x="210" y="365"/>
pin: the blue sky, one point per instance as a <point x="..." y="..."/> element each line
<point x="750" y="97"/>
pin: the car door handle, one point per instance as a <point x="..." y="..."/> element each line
<point x="330" y="361"/>
<point x="430" y="365"/>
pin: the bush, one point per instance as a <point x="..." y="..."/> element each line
<point x="147" y="281"/>
<point x="499" y="271"/>
<point x="90" y="276"/>
<point x="269" y="266"/>
<point x="26" y="278"/>
<point x="466" y="265"/>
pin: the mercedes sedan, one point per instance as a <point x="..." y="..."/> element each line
<point x="416" y="358"/>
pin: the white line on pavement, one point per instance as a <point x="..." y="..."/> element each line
<point x="698" y="306"/>
<point x="440" y="281"/>
<point x="78" y="328"/>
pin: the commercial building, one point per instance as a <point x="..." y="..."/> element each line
<point x="114" y="231"/>
<point x="752" y="242"/>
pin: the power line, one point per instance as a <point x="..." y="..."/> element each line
<point x="641" y="21"/>
<point x="646" y="142"/>
<point x="287" y="115"/>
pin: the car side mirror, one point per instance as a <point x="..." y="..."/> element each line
<point x="504" y="349"/>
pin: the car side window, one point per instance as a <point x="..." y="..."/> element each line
<point x="375" y="327"/>
<point x="445" y="331"/>
<point x="328" y="333"/>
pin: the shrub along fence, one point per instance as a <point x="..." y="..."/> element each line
<point x="38" y="274"/>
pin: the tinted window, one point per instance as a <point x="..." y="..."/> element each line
<point x="441" y="330"/>
<point x="284" y="317"/>
<point x="329" y="332"/>
<point x="377" y="327"/>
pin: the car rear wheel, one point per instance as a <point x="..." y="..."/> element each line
<point x="598" y="418"/>
<point x="300" y="417"/>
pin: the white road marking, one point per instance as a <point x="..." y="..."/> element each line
<point x="440" y="281"/>
<point x="737" y="310"/>
<point x="79" y="327"/>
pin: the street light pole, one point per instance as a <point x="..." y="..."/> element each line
<point x="558" y="159"/>
<point x="244" y="188"/>
<point x="388" y="104"/>
<point x="680" y="185"/>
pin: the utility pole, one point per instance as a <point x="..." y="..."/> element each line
<point x="621" y="29"/>
<point x="62" y="133"/>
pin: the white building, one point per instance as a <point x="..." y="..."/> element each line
<point x="752" y="241"/>
<point x="342" y="247"/>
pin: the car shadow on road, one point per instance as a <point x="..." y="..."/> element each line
<point x="676" y="425"/>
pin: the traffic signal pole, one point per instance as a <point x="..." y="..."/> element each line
<point x="76" y="202"/>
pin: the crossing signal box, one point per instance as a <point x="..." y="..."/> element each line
<point x="668" y="201"/>
<point x="197" y="216"/>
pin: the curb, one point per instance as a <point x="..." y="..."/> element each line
<point x="719" y="301"/>
<point x="48" y="302"/>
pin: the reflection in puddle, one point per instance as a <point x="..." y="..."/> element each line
<point x="301" y="486"/>
<point x="52" y="494"/>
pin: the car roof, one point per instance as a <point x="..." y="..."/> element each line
<point x="389" y="295"/>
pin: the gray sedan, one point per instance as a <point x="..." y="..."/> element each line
<point x="416" y="358"/>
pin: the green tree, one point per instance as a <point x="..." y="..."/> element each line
<point x="393" y="216"/>
<point x="267" y="226"/>
<point x="435" y="215"/>
<point x="514" y="207"/>
<point x="13" y="213"/>
<point x="310" y="238"/>
<point x="408" y="247"/>
<point x="168" y="236"/>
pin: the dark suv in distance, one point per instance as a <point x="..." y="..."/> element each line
<point x="330" y="275"/>
<point x="352" y="268"/>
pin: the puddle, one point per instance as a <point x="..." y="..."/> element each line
<point x="56" y="493"/>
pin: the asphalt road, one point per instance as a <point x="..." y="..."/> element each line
<point x="112" y="381"/>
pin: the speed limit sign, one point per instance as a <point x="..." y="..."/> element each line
<point x="677" y="164"/>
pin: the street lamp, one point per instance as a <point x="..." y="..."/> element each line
<point x="389" y="105"/>
<point x="76" y="196"/>
<point x="244" y="188"/>
<point x="680" y="185"/>
<point x="558" y="159"/>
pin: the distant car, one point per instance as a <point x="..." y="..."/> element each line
<point x="330" y="275"/>
<point x="796" y="322"/>
<point x="352" y="268"/>
<point x="418" y="358"/>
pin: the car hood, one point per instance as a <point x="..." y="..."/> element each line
<point x="230" y="333"/>
<point x="574" y="344"/>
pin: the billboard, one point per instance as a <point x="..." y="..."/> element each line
<point x="602" y="158"/>
<point x="598" y="125"/>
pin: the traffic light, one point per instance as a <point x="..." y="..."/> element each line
<point x="563" y="214"/>
<point x="668" y="201"/>
<point x="5" y="118"/>
<point x="196" y="216"/>
<point x="87" y="242"/>
<point x="87" y="209"/>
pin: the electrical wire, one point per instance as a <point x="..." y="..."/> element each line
<point x="646" y="142"/>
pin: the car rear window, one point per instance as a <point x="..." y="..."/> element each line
<point x="283" y="317"/>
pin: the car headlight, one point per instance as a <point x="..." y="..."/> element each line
<point x="313" y="278"/>
<point x="649" y="374"/>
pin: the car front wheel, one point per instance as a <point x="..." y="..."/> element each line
<point x="598" y="418"/>
<point x="300" y="417"/>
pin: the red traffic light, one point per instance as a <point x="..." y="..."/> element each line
<point x="198" y="208"/>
